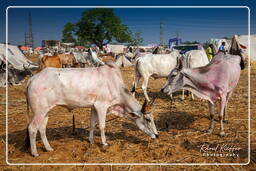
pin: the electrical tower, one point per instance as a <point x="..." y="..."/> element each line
<point x="161" y="31"/>
<point x="29" y="38"/>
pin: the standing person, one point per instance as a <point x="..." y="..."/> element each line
<point x="209" y="52"/>
<point x="222" y="48"/>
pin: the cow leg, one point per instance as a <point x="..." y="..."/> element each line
<point x="94" y="118"/>
<point x="183" y="94"/>
<point x="35" y="123"/>
<point x="135" y="83"/>
<point x="192" y="96"/>
<point x="211" y="110"/>
<point x="32" y="137"/>
<point x="221" y="111"/>
<point x="42" y="130"/>
<point x="144" y="87"/>
<point x="102" y="112"/>
<point x="226" y="107"/>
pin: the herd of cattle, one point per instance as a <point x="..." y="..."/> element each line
<point x="64" y="80"/>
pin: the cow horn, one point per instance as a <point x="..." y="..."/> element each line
<point x="144" y="106"/>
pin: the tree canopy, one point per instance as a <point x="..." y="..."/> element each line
<point x="68" y="33"/>
<point x="136" y="39"/>
<point x="101" y="26"/>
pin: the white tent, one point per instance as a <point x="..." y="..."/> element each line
<point x="15" y="57"/>
<point x="243" y="41"/>
<point x="122" y="61"/>
<point x="117" y="48"/>
<point x="217" y="43"/>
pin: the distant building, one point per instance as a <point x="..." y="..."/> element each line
<point x="51" y="44"/>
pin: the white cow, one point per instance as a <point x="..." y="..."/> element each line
<point x="93" y="58"/>
<point x="213" y="82"/>
<point x="101" y="88"/>
<point x="194" y="59"/>
<point x="81" y="58"/>
<point x="153" y="65"/>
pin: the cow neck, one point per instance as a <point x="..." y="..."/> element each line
<point x="190" y="84"/>
<point x="130" y="103"/>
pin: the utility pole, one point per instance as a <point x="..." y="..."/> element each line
<point x="161" y="31"/>
<point x="29" y="38"/>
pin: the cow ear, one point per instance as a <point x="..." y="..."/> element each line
<point x="134" y="115"/>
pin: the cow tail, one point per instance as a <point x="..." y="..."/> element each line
<point x="27" y="140"/>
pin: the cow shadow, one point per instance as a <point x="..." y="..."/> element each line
<point x="63" y="134"/>
<point x="177" y="120"/>
<point x="159" y="95"/>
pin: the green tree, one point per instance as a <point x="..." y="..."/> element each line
<point x="101" y="26"/>
<point x="136" y="39"/>
<point x="68" y="33"/>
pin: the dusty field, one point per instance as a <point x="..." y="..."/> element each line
<point x="181" y="127"/>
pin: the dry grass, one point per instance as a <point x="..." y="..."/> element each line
<point x="181" y="126"/>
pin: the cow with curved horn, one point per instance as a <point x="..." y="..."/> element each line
<point x="213" y="82"/>
<point x="100" y="88"/>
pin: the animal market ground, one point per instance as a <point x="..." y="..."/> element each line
<point x="181" y="126"/>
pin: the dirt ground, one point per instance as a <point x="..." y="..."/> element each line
<point x="181" y="126"/>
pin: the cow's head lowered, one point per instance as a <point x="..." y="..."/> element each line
<point x="144" y="119"/>
<point x="175" y="80"/>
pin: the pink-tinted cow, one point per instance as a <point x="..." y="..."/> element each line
<point x="215" y="81"/>
<point x="101" y="88"/>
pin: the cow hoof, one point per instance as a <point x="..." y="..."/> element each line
<point x="49" y="149"/>
<point x="225" y="121"/>
<point x="222" y="134"/>
<point x="210" y="131"/>
<point x="35" y="155"/>
<point x="105" y="144"/>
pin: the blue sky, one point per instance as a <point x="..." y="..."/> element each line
<point x="191" y="24"/>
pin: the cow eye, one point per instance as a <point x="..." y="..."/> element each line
<point x="148" y="120"/>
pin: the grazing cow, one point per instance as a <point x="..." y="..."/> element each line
<point x="194" y="59"/>
<point x="101" y="88"/>
<point x="215" y="81"/>
<point x="50" y="61"/>
<point x="153" y="65"/>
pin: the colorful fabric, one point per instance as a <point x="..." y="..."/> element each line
<point x="209" y="53"/>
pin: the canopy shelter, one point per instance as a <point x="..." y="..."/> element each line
<point x="243" y="41"/>
<point x="15" y="57"/>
